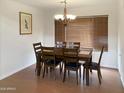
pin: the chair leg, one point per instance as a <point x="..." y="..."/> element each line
<point x="60" y="68"/>
<point x="38" y="69"/>
<point x="68" y="73"/>
<point x="91" y="70"/>
<point x="51" y="69"/>
<point x="41" y="65"/>
<point x="98" y="72"/>
<point x="64" y="75"/>
<point x="83" y="73"/>
<point x="47" y="70"/>
<point x="54" y="73"/>
<point x="91" y="63"/>
<point x="35" y="70"/>
<point x="80" y="72"/>
<point x="77" y="76"/>
<point x="87" y="76"/>
<point x="43" y="71"/>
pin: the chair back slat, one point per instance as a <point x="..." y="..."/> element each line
<point x="38" y="48"/>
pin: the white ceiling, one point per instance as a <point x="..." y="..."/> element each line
<point x="71" y="3"/>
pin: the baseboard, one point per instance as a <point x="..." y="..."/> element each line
<point x="109" y="68"/>
<point x="11" y="73"/>
<point x="122" y="81"/>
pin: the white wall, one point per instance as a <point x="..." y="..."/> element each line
<point x="109" y="58"/>
<point x="0" y="43"/>
<point x="48" y="34"/>
<point x="17" y="50"/>
<point x="121" y="39"/>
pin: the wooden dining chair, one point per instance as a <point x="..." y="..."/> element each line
<point x="71" y="61"/>
<point x="38" y="50"/>
<point x="94" y="66"/>
<point x="49" y="59"/>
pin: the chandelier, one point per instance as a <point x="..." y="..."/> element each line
<point x="65" y="18"/>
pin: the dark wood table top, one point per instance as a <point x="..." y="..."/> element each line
<point x="84" y="54"/>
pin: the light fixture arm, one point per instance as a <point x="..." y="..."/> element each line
<point x="65" y="18"/>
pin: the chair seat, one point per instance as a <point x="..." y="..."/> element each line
<point x="52" y="62"/>
<point x="93" y="65"/>
<point x="73" y="65"/>
<point x="59" y="59"/>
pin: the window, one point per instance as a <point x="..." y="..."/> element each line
<point x="89" y="31"/>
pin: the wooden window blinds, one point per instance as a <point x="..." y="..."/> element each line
<point x="90" y="32"/>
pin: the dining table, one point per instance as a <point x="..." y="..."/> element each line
<point x="85" y="55"/>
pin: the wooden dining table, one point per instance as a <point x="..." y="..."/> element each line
<point x="85" y="54"/>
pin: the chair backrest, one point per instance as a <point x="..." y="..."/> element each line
<point x="71" y="55"/>
<point x="37" y="49"/>
<point x="101" y="55"/>
<point x="73" y="44"/>
<point x="48" y="53"/>
<point x="76" y="44"/>
<point x="60" y="44"/>
<point x="59" y="52"/>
